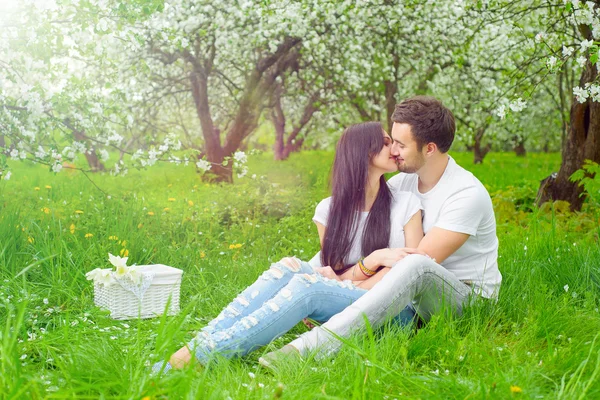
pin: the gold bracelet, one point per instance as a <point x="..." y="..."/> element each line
<point x="364" y="269"/>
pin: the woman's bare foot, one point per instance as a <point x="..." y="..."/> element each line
<point x="181" y="358"/>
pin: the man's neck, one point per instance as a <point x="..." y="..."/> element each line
<point x="431" y="173"/>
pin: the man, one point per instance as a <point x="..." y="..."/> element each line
<point x="456" y="259"/>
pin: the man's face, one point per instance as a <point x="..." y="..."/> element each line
<point x="405" y="149"/>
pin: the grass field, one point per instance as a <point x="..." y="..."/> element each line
<point x="539" y="341"/>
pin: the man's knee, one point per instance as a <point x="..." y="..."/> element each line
<point x="412" y="261"/>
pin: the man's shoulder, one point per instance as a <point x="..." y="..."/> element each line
<point x="463" y="180"/>
<point x="402" y="182"/>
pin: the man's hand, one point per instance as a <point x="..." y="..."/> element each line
<point x="384" y="257"/>
<point x="328" y="272"/>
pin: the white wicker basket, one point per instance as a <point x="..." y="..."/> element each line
<point x="123" y="304"/>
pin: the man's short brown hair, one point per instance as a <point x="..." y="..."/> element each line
<point x="429" y="120"/>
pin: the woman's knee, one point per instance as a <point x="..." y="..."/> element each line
<point x="285" y="266"/>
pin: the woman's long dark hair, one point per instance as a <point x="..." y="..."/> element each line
<point x="357" y="146"/>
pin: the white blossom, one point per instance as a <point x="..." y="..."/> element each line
<point x="581" y="94"/>
<point x="203" y="165"/>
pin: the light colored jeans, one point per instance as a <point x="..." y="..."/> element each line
<point x="416" y="279"/>
<point x="289" y="291"/>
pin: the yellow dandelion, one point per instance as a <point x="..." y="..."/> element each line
<point x="166" y="209"/>
<point x="237" y="246"/>
<point x="124" y="243"/>
<point x="113" y="238"/>
<point x="150" y="213"/>
<point x="190" y="203"/>
<point x="36" y="188"/>
<point x="231" y="246"/>
<point x="124" y="253"/>
<point x="89" y="235"/>
<point x="171" y="199"/>
<point x="46" y="210"/>
<point x="516" y="389"/>
<point x="30" y="239"/>
<point x="78" y="212"/>
<point x="202" y="254"/>
<point x="140" y="225"/>
<point x="48" y="187"/>
<point x="72" y="229"/>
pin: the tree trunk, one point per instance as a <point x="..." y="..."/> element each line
<point x="212" y="143"/>
<point x="282" y="147"/>
<point x="519" y="148"/>
<point x="582" y="143"/>
<point x="278" y="118"/>
<point x="479" y="151"/>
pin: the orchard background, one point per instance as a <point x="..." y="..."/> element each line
<point x="199" y="134"/>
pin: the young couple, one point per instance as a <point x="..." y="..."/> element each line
<point x="424" y="240"/>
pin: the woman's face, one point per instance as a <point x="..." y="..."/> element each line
<point x="384" y="161"/>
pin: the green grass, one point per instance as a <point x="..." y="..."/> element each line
<point x="54" y="343"/>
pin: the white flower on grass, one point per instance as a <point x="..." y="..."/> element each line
<point x="203" y="165"/>
<point x="566" y="287"/>
<point x="7" y="176"/>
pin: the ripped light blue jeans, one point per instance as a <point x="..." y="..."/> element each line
<point x="282" y="296"/>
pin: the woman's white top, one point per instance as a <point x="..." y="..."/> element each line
<point x="404" y="206"/>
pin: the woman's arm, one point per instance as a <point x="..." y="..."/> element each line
<point x="370" y="282"/>
<point x="413" y="230"/>
<point x="321" y="229"/>
<point x="413" y="233"/>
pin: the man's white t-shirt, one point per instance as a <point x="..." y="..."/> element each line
<point x="460" y="203"/>
<point x="404" y="206"/>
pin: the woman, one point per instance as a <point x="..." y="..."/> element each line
<point x="360" y="218"/>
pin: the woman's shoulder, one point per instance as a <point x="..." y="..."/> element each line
<point x="326" y="202"/>
<point x="322" y="211"/>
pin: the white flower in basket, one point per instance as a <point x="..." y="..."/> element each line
<point x="136" y="291"/>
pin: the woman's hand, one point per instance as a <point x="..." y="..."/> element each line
<point x="328" y="272"/>
<point x="384" y="257"/>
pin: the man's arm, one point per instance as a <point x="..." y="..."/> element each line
<point x="439" y="244"/>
